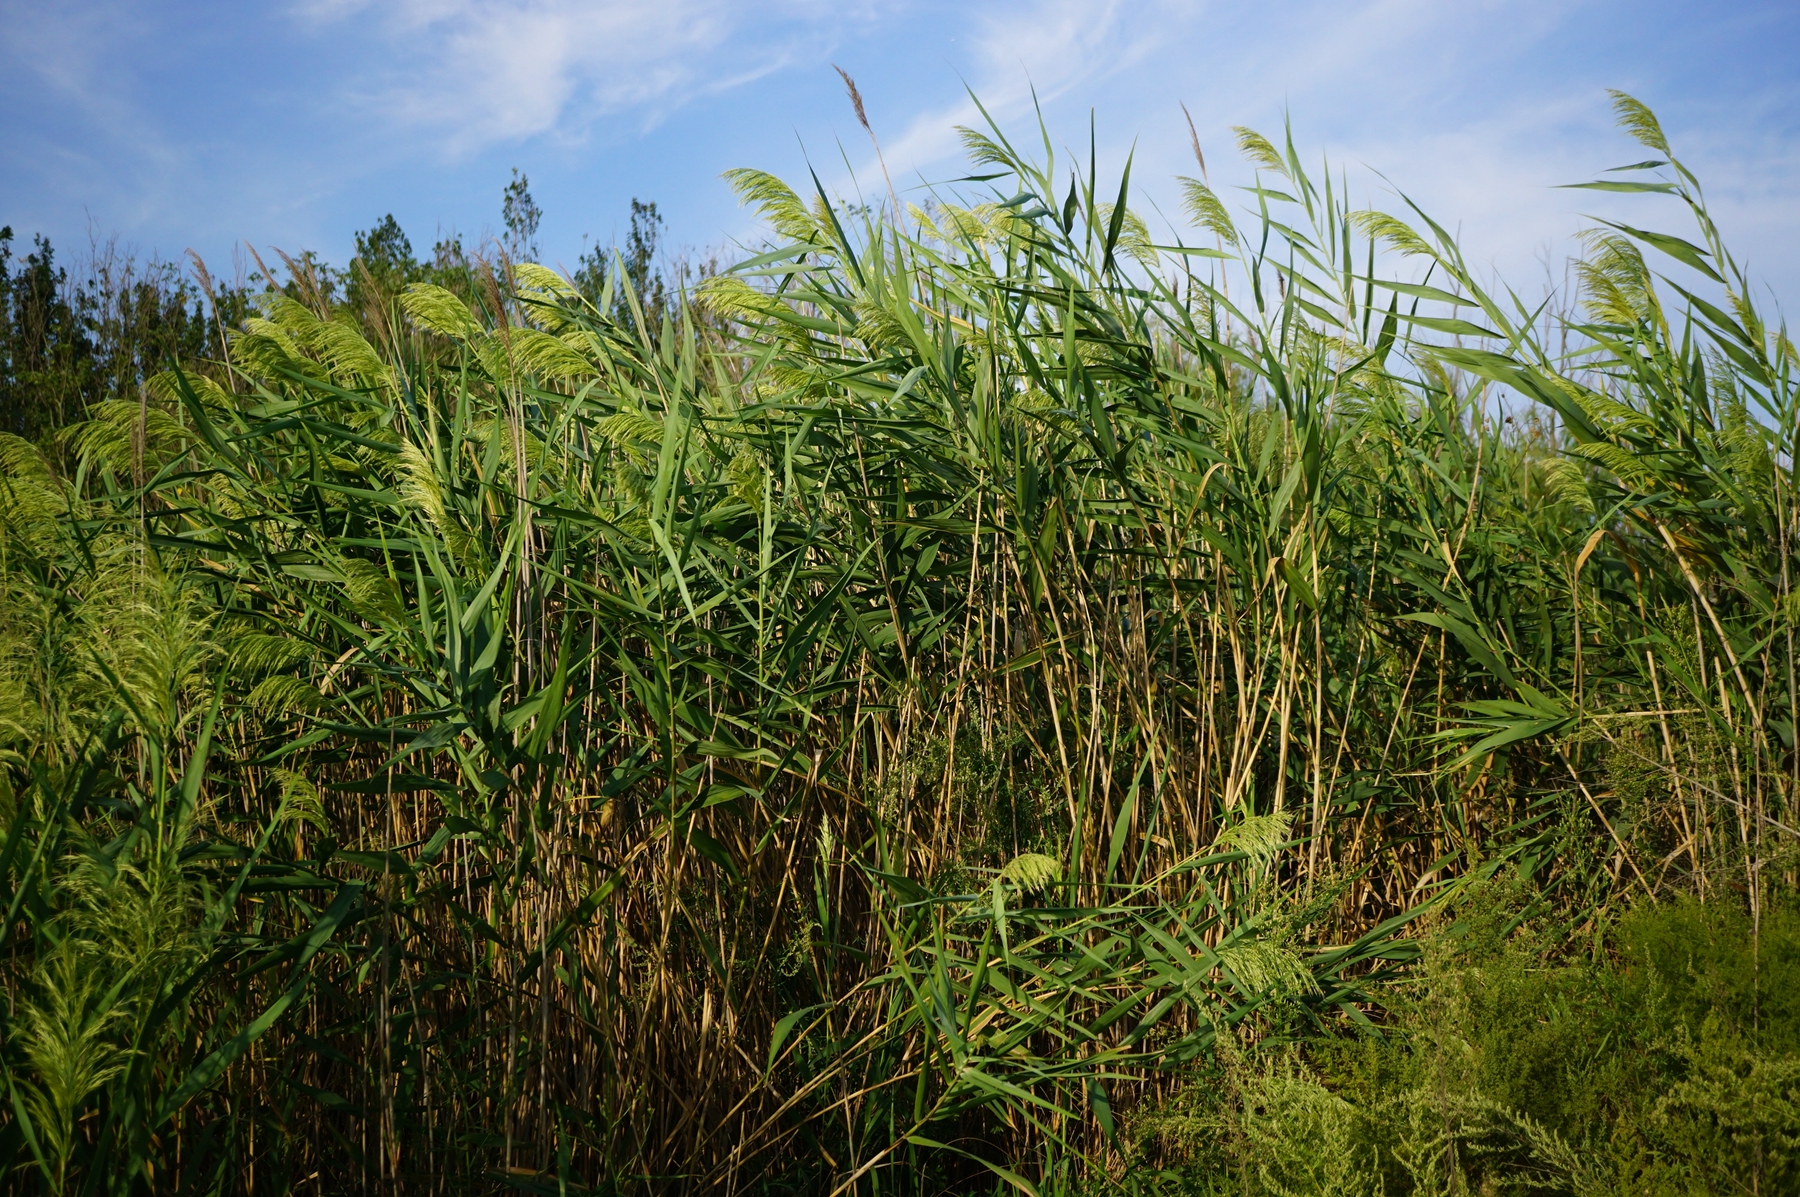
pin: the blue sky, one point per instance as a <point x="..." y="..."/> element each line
<point x="180" y="124"/>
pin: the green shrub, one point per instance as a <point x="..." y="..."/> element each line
<point x="1666" y="1060"/>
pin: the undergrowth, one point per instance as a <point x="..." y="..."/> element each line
<point x="1658" y="1055"/>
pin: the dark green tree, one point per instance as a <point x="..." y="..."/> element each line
<point x="641" y="266"/>
<point x="521" y="214"/>
<point x="70" y="341"/>
<point x="382" y="267"/>
<point x="44" y="354"/>
<point x="642" y="270"/>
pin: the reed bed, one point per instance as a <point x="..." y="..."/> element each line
<point x="879" y="727"/>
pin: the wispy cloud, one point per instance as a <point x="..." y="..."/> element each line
<point x="65" y="59"/>
<point x="1030" y="54"/>
<point x="478" y="72"/>
<point x="1477" y="112"/>
<point x="185" y="122"/>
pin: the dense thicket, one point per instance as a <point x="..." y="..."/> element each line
<point x="949" y="711"/>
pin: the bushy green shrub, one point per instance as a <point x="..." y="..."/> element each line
<point x="1663" y="1059"/>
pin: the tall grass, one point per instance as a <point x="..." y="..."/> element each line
<point x="874" y="728"/>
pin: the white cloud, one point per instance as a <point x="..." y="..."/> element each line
<point x="66" y="58"/>
<point x="481" y="72"/>
<point x="1035" y="52"/>
<point x="1467" y="109"/>
<point x="166" y="120"/>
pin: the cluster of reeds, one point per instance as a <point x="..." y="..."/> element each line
<point x="873" y="729"/>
